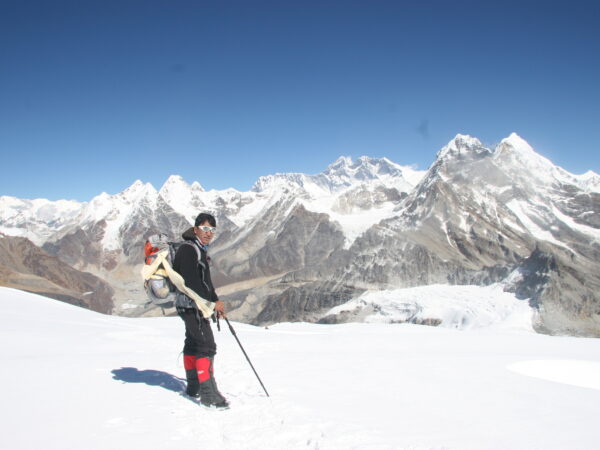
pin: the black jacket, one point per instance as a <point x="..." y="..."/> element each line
<point x="196" y="274"/>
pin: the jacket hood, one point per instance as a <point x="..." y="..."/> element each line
<point x="189" y="234"/>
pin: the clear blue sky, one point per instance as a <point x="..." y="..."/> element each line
<point x="95" y="94"/>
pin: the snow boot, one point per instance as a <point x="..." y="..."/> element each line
<point x="191" y="375"/>
<point x="209" y="393"/>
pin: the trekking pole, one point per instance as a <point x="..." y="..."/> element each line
<point x="244" y="351"/>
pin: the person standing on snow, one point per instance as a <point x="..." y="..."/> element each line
<point x="192" y="263"/>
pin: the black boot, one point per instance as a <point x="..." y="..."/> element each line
<point x="209" y="393"/>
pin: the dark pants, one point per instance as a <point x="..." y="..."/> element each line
<point x="199" y="339"/>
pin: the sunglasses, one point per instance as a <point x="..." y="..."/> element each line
<point x="208" y="229"/>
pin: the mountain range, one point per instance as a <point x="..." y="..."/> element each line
<point x="295" y="246"/>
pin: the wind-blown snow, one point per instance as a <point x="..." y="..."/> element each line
<point x="75" y="379"/>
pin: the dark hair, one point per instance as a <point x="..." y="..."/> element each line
<point x="205" y="217"/>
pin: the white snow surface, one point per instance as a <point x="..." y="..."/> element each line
<point x="75" y="379"/>
<point x="576" y="373"/>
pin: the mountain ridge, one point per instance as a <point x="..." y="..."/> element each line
<point x="307" y="243"/>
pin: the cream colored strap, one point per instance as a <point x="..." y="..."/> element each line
<point x="205" y="306"/>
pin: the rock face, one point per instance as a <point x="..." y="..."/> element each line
<point x="296" y="245"/>
<point x="25" y="266"/>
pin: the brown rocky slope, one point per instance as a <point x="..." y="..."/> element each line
<point x="25" y="266"/>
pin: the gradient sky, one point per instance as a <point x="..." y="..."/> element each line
<point x="96" y="94"/>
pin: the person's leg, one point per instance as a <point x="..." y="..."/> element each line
<point x="205" y="354"/>
<point x="200" y="347"/>
<point x="191" y="375"/>
<point x="193" y="340"/>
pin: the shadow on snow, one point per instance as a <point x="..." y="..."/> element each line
<point x="151" y="378"/>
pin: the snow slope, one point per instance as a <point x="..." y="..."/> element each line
<point x="76" y="379"/>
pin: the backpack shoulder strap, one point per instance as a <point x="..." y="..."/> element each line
<point x="195" y="247"/>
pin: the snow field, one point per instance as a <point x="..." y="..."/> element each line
<point x="72" y="378"/>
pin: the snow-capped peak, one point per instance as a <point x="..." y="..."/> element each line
<point x="137" y="191"/>
<point x="183" y="197"/>
<point x="521" y="150"/>
<point x="590" y="175"/>
<point x="344" y="173"/>
<point x="342" y="161"/>
<point x="518" y="143"/>
<point x="515" y="152"/>
<point x="462" y="145"/>
<point x="345" y="166"/>
<point x="174" y="180"/>
<point x="589" y="181"/>
<point x="280" y="181"/>
<point x="137" y="185"/>
<point x="101" y="205"/>
<point x="176" y="183"/>
<point x="36" y="219"/>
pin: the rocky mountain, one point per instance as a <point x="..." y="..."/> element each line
<point x="25" y="266"/>
<point x="481" y="216"/>
<point x="296" y="245"/>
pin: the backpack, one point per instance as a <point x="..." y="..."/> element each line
<point x="158" y="286"/>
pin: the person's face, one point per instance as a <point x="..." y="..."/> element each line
<point x="205" y="236"/>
